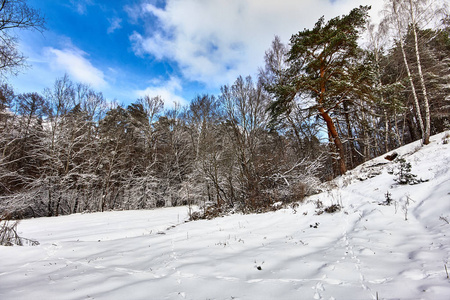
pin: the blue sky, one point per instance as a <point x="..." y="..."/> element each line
<point x="173" y="48"/>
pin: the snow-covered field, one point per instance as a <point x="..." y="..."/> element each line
<point x="364" y="251"/>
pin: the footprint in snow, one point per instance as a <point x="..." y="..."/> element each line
<point x="319" y="288"/>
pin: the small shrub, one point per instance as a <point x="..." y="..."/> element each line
<point x="212" y="212"/>
<point x="209" y="212"/>
<point x="329" y="209"/>
<point x="294" y="207"/>
<point x="406" y="206"/>
<point x="332" y="208"/>
<point x="8" y="233"/>
<point x="388" y="199"/>
<point x="196" y="215"/>
<point x="319" y="204"/>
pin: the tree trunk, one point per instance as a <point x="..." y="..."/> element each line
<point x="75" y="207"/>
<point x="353" y="155"/>
<point x="337" y="141"/>
<point x="386" y="132"/>
<point x="50" y="204"/>
<point x="330" y="124"/>
<point x="426" y="133"/>
<point x="411" y="128"/>
<point x="408" y="71"/>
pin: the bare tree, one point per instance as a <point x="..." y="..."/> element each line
<point x="275" y="59"/>
<point x="15" y="14"/>
<point x="152" y="108"/>
<point x="6" y="99"/>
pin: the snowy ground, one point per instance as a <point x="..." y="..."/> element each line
<point x="364" y="251"/>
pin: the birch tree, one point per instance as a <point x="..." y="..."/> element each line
<point x="404" y="15"/>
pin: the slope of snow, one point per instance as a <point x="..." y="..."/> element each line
<point x="364" y="251"/>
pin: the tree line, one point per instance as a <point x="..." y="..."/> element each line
<point x="321" y="105"/>
<point x="69" y="151"/>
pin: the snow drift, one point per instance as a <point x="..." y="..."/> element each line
<point x="362" y="251"/>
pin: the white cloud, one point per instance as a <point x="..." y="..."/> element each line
<point x="81" y="5"/>
<point x="74" y="62"/>
<point x="214" y="41"/>
<point x="115" y="23"/>
<point x="169" y="92"/>
<point x="50" y="63"/>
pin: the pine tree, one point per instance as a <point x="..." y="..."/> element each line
<point x="321" y="67"/>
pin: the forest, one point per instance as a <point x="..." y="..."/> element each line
<point x="331" y="98"/>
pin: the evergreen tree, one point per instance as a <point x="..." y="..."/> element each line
<point x="321" y="68"/>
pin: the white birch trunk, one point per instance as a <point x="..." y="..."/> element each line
<point x="408" y="71"/>
<point x="426" y="133"/>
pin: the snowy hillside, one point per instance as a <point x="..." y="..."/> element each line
<point x="363" y="251"/>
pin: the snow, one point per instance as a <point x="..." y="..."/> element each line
<point x="364" y="251"/>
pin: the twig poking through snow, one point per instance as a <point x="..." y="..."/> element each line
<point x="444" y="219"/>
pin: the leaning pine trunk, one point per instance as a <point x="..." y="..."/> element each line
<point x="337" y="141"/>
<point x="330" y="125"/>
